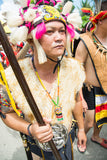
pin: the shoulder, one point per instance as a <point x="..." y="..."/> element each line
<point x="72" y="65"/>
<point x="24" y="64"/>
<point x="73" y="72"/>
<point x="85" y="35"/>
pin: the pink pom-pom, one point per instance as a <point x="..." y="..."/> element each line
<point x="40" y="30"/>
<point x="71" y="31"/>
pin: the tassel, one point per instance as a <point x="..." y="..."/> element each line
<point x="41" y="54"/>
<point x="67" y="8"/>
<point x="68" y="45"/>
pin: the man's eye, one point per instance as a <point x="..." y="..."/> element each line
<point x="62" y="31"/>
<point x="49" y="31"/>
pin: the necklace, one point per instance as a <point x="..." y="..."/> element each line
<point x="57" y="108"/>
<point x="98" y="40"/>
<point x="99" y="45"/>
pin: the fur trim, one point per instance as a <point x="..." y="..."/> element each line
<point x="71" y="76"/>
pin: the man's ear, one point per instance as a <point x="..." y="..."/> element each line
<point x="100" y="22"/>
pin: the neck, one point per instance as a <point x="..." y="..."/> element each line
<point x="45" y="72"/>
<point x="46" y="67"/>
<point x="102" y="36"/>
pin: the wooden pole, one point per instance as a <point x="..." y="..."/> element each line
<point x="23" y="84"/>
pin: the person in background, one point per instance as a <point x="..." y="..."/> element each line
<point x="92" y="53"/>
<point x="54" y="80"/>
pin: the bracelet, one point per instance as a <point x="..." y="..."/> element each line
<point x="28" y="129"/>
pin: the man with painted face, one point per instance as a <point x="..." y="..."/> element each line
<point x="54" y="80"/>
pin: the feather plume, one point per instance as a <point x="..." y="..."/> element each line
<point x="75" y="19"/>
<point x="9" y="6"/>
<point x="67" y="8"/>
<point x="23" y="3"/>
<point x="20" y="34"/>
<point x="29" y="15"/>
<point x="14" y="20"/>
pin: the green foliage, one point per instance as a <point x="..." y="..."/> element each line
<point x="85" y="17"/>
<point x="85" y="20"/>
<point x="86" y="4"/>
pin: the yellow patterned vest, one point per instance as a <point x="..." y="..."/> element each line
<point x="98" y="55"/>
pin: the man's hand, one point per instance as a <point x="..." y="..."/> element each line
<point x="81" y="144"/>
<point x="42" y="133"/>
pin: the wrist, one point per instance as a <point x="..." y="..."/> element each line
<point x="81" y="130"/>
<point x="28" y="130"/>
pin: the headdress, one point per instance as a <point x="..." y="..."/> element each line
<point x="30" y="21"/>
<point x="100" y="16"/>
<point x="94" y="19"/>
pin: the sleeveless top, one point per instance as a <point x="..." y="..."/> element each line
<point x="71" y="78"/>
<point x="98" y="56"/>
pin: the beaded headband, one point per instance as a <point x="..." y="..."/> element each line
<point x="100" y="16"/>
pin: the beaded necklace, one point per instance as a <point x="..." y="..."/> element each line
<point x="57" y="108"/>
<point x="99" y="45"/>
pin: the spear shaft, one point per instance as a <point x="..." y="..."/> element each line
<point x="24" y="86"/>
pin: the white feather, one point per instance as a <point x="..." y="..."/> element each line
<point x="14" y="20"/>
<point x="29" y="15"/>
<point x="9" y="6"/>
<point x="67" y="8"/>
<point x="23" y="3"/>
<point x="20" y="34"/>
<point x="75" y="19"/>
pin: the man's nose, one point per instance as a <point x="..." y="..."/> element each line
<point x="58" y="36"/>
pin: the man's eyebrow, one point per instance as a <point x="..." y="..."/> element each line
<point x="51" y="27"/>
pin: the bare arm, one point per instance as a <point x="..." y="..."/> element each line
<point x="42" y="133"/>
<point x="81" y="53"/>
<point x="78" y="115"/>
<point x="78" y="112"/>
